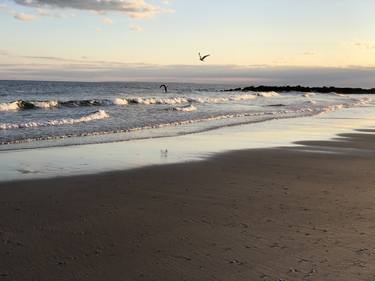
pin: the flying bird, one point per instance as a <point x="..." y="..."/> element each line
<point x="165" y="88"/>
<point x="202" y="58"/>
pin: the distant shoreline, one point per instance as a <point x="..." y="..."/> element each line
<point x="304" y="89"/>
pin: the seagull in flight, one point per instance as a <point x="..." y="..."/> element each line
<point x="165" y="88"/>
<point x="202" y="58"/>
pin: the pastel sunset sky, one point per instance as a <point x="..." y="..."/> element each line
<point x="309" y="42"/>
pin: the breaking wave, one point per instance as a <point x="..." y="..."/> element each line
<point x="101" y="114"/>
<point x="20" y="104"/>
<point x="267" y="94"/>
<point x="253" y="117"/>
<point x="334" y="107"/>
<point x="24" y="105"/>
<point x="7" y="106"/>
<point x="186" y="108"/>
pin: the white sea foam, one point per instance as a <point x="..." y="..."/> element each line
<point x="308" y="95"/>
<point x="148" y="101"/>
<point x="242" y="97"/>
<point x="223" y="99"/>
<point x="101" y="114"/>
<point x="45" y="104"/>
<point x="355" y="102"/>
<point x="119" y="101"/>
<point x="17" y="105"/>
<point x="311" y="102"/>
<point x="364" y="101"/>
<point x="182" y="100"/>
<point x="334" y="107"/>
<point x="268" y="94"/>
<point x="187" y="108"/>
<point x="9" y="106"/>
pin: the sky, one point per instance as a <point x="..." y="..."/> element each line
<point x="309" y="42"/>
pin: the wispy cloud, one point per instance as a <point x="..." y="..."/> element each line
<point x="138" y="9"/>
<point x="3" y="7"/>
<point x="107" y="21"/>
<point x="4" y="53"/>
<point x="310" y="53"/>
<point x="82" y="61"/>
<point x="136" y="28"/>
<point x="364" y="45"/>
<point x="54" y="59"/>
<point x="19" y="16"/>
<point x="40" y="12"/>
<point x="24" y="17"/>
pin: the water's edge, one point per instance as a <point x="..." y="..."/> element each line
<point x="96" y="158"/>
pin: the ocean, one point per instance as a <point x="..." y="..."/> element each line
<point x="41" y="114"/>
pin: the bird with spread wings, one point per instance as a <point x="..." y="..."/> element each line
<point x="202" y="58"/>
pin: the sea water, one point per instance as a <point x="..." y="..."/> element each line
<point x="40" y="114"/>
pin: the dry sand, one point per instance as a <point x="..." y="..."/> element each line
<point x="300" y="213"/>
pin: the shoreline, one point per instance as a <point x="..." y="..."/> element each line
<point x="302" y="212"/>
<point x="90" y="159"/>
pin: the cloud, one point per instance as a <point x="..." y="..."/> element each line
<point x="24" y="17"/>
<point x="107" y="21"/>
<point x="364" y="45"/>
<point x="55" y="59"/>
<point x="45" y="13"/>
<point x="310" y="53"/>
<point x="19" y="16"/>
<point x="4" y="53"/>
<point x="137" y="9"/>
<point x="3" y="7"/>
<point x="136" y="28"/>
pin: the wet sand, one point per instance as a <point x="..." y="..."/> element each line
<point x="297" y="213"/>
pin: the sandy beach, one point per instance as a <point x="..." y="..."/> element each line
<point x="161" y="140"/>
<point x="295" y="213"/>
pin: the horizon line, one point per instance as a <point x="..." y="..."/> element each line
<point x="174" y="82"/>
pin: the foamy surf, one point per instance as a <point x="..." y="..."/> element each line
<point x="187" y="108"/>
<point x="267" y="94"/>
<point x="20" y="104"/>
<point x="119" y="101"/>
<point x="244" y="97"/>
<point x="309" y="95"/>
<point x="8" y="106"/>
<point x="101" y="114"/>
<point x="46" y="104"/>
<point x="227" y="118"/>
<point x="25" y="104"/>
<point x="148" y="101"/>
<point x="356" y="102"/>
